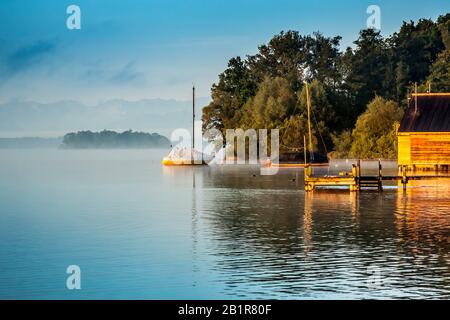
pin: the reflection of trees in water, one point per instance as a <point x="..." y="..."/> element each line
<point x="256" y="240"/>
<point x="423" y="221"/>
<point x="337" y="201"/>
<point x="290" y="241"/>
<point x="263" y="219"/>
<point x="269" y="237"/>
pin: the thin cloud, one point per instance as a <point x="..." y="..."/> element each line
<point x="128" y="75"/>
<point x="28" y="56"/>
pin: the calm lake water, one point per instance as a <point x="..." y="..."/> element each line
<point x="141" y="231"/>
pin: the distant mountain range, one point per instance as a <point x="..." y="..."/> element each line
<point x="19" y="118"/>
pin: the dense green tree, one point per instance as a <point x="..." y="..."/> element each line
<point x="273" y="102"/>
<point x="439" y="78"/>
<point x="294" y="132"/>
<point x="323" y="59"/>
<point x="322" y="114"/>
<point x="443" y="23"/>
<point x="342" y="145"/>
<point x="374" y="135"/>
<point x="416" y="47"/>
<point x="284" y="56"/>
<point x="367" y="69"/>
<point x="234" y="88"/>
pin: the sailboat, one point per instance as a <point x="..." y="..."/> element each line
<point x="187" y="156"/>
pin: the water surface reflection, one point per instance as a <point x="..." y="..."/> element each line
<point x="278" y="241"/>
<point x="140" y="230"/>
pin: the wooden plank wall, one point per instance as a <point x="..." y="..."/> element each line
<point x="404" y="150"/>
<point x="429" y="148"/>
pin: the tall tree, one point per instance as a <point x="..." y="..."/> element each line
<point x="283" y="56"/>
<point x="236" y="85"/>
<point x="322" y="59"/>
<point x="439" y="78"/>
<point x="368" y="69"/>
<point x="416" y="48"/>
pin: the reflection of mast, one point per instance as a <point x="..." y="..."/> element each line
<point x="307" y="222"/>
<point x="194" y="226"/>
<point x="308" y="105"/>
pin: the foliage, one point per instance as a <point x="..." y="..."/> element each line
<point x="414" y="49"/>
<point x="111" y="139"/>
<point x="374" y="135"/>
<point x="342" y="145"/>
<point x="294" y="131"/>
<point x="322" y="114"/>
<point x="439" y="78"/>
<point x="273" y="101"/>
<point x="266" y="90"/>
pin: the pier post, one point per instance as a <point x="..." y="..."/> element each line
<point x="356" y="177"/>
<point x="380" y="176"/>
<point x="307" y="173"/>
<point x="404" y="177"/>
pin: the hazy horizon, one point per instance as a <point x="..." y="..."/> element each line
<point x="132" y="64"/>
<point x="22" y="118"/>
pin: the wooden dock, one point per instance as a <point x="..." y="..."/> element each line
<point x="356" y="181"/>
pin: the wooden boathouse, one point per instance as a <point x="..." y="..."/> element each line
<point x="423" y="144"/>
<point x="424" y="133"/>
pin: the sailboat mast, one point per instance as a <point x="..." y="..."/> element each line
<point x="193" y="117"/>
<point x="308" y="104"/>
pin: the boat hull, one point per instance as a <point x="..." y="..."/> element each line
<point x="172" y="162"/>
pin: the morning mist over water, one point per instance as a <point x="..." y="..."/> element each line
<point x="228" y="235"/>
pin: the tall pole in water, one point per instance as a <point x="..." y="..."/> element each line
<point x="304" y="148"/>
<point x="193" y="119"/>
<point x="308" y="104"/>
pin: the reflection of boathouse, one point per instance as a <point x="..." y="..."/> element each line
<point x="424" y="133"/>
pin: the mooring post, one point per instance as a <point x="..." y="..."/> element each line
<point x="380" y="176"/>
<point x="307" y="173"/>
<point x="355" y="175"/>
<point x="404" y="177"/>
<point x="359" y="169"/>
<point x="358" y="172"/>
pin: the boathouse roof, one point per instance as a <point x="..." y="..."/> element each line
<point x="432" y="114"/>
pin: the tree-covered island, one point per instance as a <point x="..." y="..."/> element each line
<point x="113" y="140"/>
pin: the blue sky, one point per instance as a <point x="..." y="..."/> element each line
<point x="139" y="49"/>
